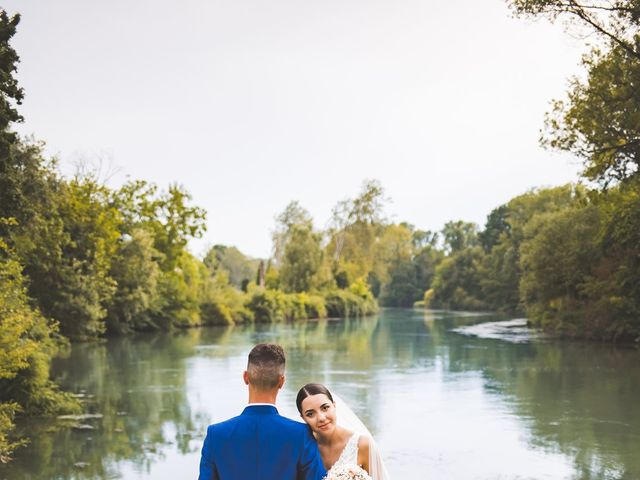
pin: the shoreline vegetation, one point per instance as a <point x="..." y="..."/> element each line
<point x="80" y="260"/>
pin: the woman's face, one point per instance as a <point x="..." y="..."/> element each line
<point x="320" y="413"/>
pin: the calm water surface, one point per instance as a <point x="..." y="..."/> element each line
<point x="445" y="397"/>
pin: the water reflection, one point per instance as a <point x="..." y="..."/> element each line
<point x="441" y="404"/>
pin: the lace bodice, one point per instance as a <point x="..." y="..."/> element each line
<point x="349" y="455"/>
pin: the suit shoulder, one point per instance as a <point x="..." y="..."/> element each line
<point x="292" y="425"/>
<point x="291" y="422"/>
<point x="223" y="425"/>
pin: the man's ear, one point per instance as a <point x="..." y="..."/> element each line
<point x="245" y="377"/>
<point x="281" y="382"/>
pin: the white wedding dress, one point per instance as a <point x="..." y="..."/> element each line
<point x="349" y="456"/>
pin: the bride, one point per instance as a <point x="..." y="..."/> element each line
<point x="339" y="446"/>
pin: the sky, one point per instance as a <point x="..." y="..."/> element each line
<point x="251" y="104"/>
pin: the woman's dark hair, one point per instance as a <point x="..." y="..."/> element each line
<point x="311" y="389"/>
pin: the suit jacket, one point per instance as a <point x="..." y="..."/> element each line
<point x="260" y="444"/>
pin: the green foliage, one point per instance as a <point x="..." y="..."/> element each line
<point x="457" y="281"/>
<point x="356" y="226"/>
<point x="557" y="261"/>
<point x="10" y="92"/>
<point x="67" y="252"/>
<point x="356" y="301"/>
<point x="135" y="270"/>
<point x="168" y="216"/>
<point x="240" y="268"/>
<point x="177" y="303"/>
<point x="615" y="23"/>
<point x="276" y="306"/>
<point x="487" y="277"/>
<point x="405" y="264"/>
<point x="617" y="282"/>
<point x="7" y="445"/>
<point x="503" y="235"/>
<point x="459" y="235"/>
<point x="497" y="226"/>
<point x="394" y="266"/>
<point x="293" y="215"/>
<point x="600" y="119"/>
<point x="220" y="302"/>
<point x="345" y="303"/>
<point x="301" y="260"/>
<point x="581" y="268"/>
<point x="28" y="183"/>
<point x="27" y="343"/>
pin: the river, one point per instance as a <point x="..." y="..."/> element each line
<point x="447" y="396"/>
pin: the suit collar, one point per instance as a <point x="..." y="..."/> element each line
<point x="260" y="409"/>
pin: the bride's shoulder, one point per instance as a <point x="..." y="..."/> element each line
<point x="364" y="441"/>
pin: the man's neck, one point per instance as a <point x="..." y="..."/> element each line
<point x="258" y="396"/>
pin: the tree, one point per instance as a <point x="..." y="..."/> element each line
<point x="580" y="267"/>
<point x="557" y="262"/>
<point x="497" y="224"/>
<point x="457" y="281"/>
<point x="615" y="22"/>
<point x="293" y="214"/>
<point x="356" y="225"/>
<point x="394" y="266"/>
<point x="240" y="268"/>
<point x="424" y="238"/>
<point x="67" y="252"/>
<point x="599" y="121"/>
<point x="502" y="238"/>
<point x="168" y="216"/>
<point x="302" y="259"/>
<point x="425" y="262"/>
<point x="10" y="92"/>
<point x="135" y="271"/>
<point x="459" y="235"/>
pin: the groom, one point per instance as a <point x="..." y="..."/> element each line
<point x="260" y="444"/>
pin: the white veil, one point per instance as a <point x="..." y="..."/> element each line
<point x="347" y="418"/>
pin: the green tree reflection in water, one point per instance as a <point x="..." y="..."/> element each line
<point x="576" y="397"/>
<point x="138" y="386"/>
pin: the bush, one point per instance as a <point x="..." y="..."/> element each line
<point x="269" y="306"/>
<point x="344" y="303"/>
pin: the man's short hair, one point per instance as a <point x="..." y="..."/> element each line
<point x="266" y="365"/>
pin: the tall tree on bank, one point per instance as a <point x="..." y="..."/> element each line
<point x="293" y="214"/>
<point x="68" y="252"/>
<point x="27" y="339"/>
<point x="355" y="227"/>
<point x="302" y="259"/>
<point x="12" y="198"/>
<point x="10" y="92"/>
<point x="599" y="121"/>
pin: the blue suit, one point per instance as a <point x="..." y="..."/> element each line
<point x="260" y="444"/>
